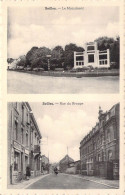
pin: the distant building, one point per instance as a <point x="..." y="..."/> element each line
<point x="99" y="149"/>
<point x="13" y="65"/>
<point x="23" y="142"/>
<point x="64" y="163"/>
<point x="92" y="57"/>
<point x="74" y="167"/>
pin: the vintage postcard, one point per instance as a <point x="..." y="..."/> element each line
<point x="65" y="50"/>
<point x="62" y="114"/>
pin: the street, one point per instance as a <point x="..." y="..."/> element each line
<point x="24" y="83"/>
<point x="63" y="181"/>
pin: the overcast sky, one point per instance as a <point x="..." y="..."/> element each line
<point x="66" y="126"/>
<point x="35" y="26"/>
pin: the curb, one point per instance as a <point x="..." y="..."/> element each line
<point x="94" y="181"/>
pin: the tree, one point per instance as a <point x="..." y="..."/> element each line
<point x="69" y="54"/>
<point x="37" y="57"/>
<point x="57" y="58"/>
<point x="10" y="60"/>
<point x="22" y="61"/>
<point x="111" y="44"/>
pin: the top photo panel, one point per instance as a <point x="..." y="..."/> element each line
<point x="63" y="50"/>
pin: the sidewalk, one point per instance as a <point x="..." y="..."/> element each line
<point x="111" y="183"/>
<point x="25" y="183"/>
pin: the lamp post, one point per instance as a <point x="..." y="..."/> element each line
<point x="48" y="57"/>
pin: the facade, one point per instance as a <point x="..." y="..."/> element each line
<point x="44" y="164"/>
<point x="92" y="57"/>
<point x="23" y="141"/>
<point x="99" y="149"/>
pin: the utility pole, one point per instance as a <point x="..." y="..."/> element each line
<point x="67" y="156"/>
<point x="48" y="153"/>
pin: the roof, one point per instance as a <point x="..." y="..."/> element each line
<point x="65" y="159"/>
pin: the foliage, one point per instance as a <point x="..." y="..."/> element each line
<point x="114" y="46"/>
<point x="22" y="61"/>
<point x="69" y="55"/>
<point x="10" y="60"/>
<point x="64" y="58"/>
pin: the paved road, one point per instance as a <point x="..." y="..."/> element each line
<point x="62" y="181"/>
<point x="24" y="83"/>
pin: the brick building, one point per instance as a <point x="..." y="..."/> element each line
<point x="99" y="149"/>
<point x="23" y="142"/>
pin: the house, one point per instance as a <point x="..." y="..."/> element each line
<point x="64" y="163"/>
<point x="23" y="142"/>
<point x="92" y="57"/>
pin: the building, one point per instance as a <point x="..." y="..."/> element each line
<point x="44" y="164"/>
<point x="23" y="142"/>
<point x="74" y="167"/>
<point x="92" y="57"/>
<point x="64" y="163"/>
<point x="99" y="149"/>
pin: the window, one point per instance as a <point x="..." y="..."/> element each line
<point x="27" y="118"/>
<point x="79" y="58"/>
<point x="26" y="161"/>
<point x="108" y="135"/>
<point x="77" y="63"/>
<point x="90" y="48"/>
<point x="16" y="161"/>
<point x="26" y="139"/>
<point x="109" y="155"/>
<point x="103" y="57"/>
<point x="16" y="131"/>
<point x="22" y="141"/>
<point x="22" y="114"/>
<point x="31" y="137"/>
<point x="91" y="58"/>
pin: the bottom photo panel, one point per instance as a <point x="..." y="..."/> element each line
<point x="63" y="145"/>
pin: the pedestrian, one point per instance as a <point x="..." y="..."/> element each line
<point x="56" y="170"/>
<point x="28" y="172"/>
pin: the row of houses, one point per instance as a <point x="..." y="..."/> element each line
<point x="99" y="149"/>
<point x="24" y="140"/>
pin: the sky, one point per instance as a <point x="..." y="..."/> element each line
<point x="35" y="26"/>
<point x="65" y="126"/>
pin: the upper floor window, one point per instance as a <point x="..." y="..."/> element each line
<point x="108" y="135"/>
<point x="16" y="131"/>
<point x="22" y="141"/>
<point x="22" y="114"/>
<point x="91" y="47"/>
<point x="26" y="139"/>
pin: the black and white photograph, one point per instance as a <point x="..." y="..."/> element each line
<point x="63" y="50"/>
<point x="63" y="145"/>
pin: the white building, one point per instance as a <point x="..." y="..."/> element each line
<point x="92" y="57"/>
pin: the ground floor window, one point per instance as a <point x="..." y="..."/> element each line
<point x="91" y="58"/>
<point x="26" y="161"/>
<point x="16" y="161"/>
<point x="79" y="63"/>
